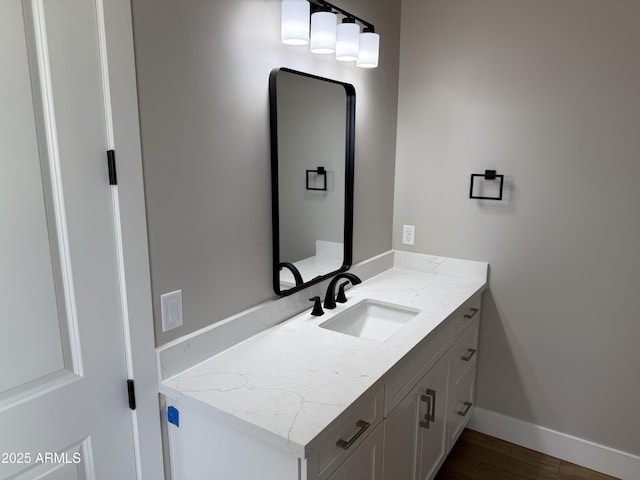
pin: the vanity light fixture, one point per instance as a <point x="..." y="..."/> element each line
<point x="347" y="40"/>
<point x="321" y="30"/>
<point x="369" y="48"/>
<point x="295" y="22"/>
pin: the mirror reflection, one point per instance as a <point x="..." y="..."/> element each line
<point x="312" y="121"/>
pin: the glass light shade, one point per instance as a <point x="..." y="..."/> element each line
<point x="295" y="22"/>
<point x="347" y="42"/>
<point x="369" y="50"/>
<point x="323" y="32"/>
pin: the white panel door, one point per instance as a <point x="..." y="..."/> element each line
<point x="64" y="356"/>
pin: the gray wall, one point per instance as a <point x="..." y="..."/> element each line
<point x="546" y="92"/>
<point x="203" y="69"/>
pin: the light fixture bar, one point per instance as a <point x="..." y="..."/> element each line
<point x="324" y="3"/>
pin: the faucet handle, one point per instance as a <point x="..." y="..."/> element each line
<point x="317" y="307"/>
<point x="342" y="298"/>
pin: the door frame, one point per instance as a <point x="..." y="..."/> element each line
<point x="133" y="227"/>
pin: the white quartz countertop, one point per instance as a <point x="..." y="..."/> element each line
<point x="288" y="383"/>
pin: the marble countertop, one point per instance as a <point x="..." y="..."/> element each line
<point x="286" y="384"/>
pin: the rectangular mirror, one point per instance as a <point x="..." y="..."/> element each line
<point x="312" y="156"/>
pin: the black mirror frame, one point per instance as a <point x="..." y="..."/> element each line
<point x="349" y="168"/>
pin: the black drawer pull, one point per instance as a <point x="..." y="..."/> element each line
<point x="472" y="352"/>
<point x="467" y="407"/>
<point x="430" y="400"/>
<point x="471" y="313"/>
<point x="345" y="444"/>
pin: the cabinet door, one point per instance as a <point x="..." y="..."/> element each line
<point x="415" y="430"/>
<point x="365" y="463"/>
<point x="401" y="437"/>
<point x="431" y="435"/>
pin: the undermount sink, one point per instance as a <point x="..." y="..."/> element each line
<point x="371" y="319"/>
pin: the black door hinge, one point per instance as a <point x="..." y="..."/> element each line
<point x="111" y="163"/>
<point x="132" y="394"/>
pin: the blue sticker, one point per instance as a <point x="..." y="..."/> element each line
<point x="173" y="415"/>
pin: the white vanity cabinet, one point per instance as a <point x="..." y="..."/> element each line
<point x="365" y="463"/>
<point x="462" y="378"/>
<point x="421" y="429"/>
<point x="401" y="428"/>
<point x="415" y="441"/>
<point x="204" y="448"/>
<point x="349" y="441"/>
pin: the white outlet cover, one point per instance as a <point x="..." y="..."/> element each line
<point x="171" y="310"/>
<point x="408" y="234"/>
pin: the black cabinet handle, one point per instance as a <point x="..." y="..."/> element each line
<point x="471" y="313"/>
<point x="467" y="407"/>
<point x="430" y="400"/>
<point x="472" y="352"/>
<point x="345" y="444"/>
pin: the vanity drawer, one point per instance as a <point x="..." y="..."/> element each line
<point x="345" y="434"/>
<point x="465" y="351"/>
<point x="403" y="377"/>
<point x="461" y="406"/>
<point x="469" y="311"/>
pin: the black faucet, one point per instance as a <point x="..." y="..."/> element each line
<point x="317" y="308"/>
<point x="330" y="297"/>
<point x="342" y="297"/>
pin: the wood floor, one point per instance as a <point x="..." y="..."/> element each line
<point x="480" y="457"/>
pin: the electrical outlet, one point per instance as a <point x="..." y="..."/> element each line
<point x="408" y="234"/>
<point x="171" y="308"/>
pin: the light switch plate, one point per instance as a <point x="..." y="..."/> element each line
<point x="171" y="307"/>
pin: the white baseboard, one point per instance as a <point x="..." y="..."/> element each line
<point x="550" y="442"/>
